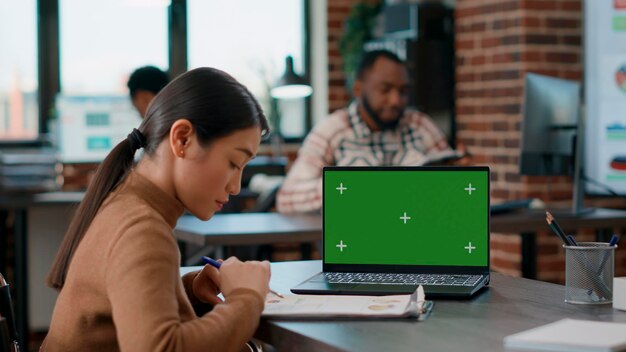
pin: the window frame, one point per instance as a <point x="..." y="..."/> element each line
<point x="180" y="57"/>
<point x="48" y="60"/>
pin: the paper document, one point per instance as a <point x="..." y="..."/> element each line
<point x="323" y="306"/>
<point x="571" y="335"/>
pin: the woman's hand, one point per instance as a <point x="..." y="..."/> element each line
<point x="253" y="275"/>
<point x="206" y="285"/>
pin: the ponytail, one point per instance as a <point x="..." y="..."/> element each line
<point x="109" y="174"/>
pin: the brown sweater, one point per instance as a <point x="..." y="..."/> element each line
<point x="123" y="290"/>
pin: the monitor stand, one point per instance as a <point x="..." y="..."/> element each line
<point x="578" y="191"/>
<point x="577" y="209"/>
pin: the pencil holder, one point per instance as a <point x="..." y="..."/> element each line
<point x="589" y="273"/>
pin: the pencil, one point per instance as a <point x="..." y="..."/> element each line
<point x="556" y="224"/>
<point x="214" y="263"/>
<point x="555" y="229"/>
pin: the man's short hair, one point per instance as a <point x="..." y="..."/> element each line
<point x="369" y="58"/>
<point x="148" y="78"/>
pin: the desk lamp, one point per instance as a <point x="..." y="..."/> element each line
<point x="289" y="86"/>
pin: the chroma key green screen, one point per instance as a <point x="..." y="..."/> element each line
<point x="406" y="216"/>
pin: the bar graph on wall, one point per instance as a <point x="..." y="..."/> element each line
<point x="605" y="93"/>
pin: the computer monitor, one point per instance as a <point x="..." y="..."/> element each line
<point x="88" y="127"/>
<point x="552" y="131"/>
<point x="550" y="111"/>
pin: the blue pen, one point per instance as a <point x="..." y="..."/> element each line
<point x="614" y="240"/>
<point x="572" y="240"/>
<point x="214" y="263"/>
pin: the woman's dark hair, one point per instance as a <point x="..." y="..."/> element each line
<point x="215" y="104"/>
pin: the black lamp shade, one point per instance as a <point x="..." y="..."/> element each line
<point x="291" y="85"/>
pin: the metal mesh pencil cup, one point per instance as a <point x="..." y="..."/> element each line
<point x="589" y="273"/>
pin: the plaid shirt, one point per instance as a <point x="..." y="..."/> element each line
<point x="344" y="139"/>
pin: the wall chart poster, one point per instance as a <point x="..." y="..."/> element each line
<point x="605" y="93"/>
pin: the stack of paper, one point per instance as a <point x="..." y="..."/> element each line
<point x="328" y="306"/>
<point x="29" y="170"/>
<point x="571" y="335"/>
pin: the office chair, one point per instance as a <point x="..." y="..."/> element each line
<point x="266" y="200"/>
<point x="6" y="313"/>
<point x="252" y="346"/>
<point x="264" y="204"/>
<point x="5" y="341"/>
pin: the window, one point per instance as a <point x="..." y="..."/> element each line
<point x="102" y="42"/>
<point x="19" y="109"/>
<point x="250" y="40"/>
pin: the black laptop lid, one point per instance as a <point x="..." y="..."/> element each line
<point x="406" y="219"/>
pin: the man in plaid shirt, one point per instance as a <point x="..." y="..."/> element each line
<point x="375" y="130"/>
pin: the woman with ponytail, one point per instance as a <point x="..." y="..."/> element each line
<point x="117" y="270"/>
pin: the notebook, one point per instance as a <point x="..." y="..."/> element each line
<point x="387" y="230"/>
<point x="571" y="335"/>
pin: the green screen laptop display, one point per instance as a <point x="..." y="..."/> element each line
<point x="406" y="216"/>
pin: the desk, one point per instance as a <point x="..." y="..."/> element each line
<point x="480" y="324"/>
<point x="266" y="228"/>
<point x="528" y="222"/>
<point x="249" y="228"/>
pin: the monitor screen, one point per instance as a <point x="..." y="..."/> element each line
<point x="549" y="126"/>
<point x="434" y="216"/>
<point x="90" y="126"/>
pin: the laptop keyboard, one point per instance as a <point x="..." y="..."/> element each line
<point x="395" y="279"/>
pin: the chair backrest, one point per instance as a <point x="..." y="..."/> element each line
<point x="6" y="344"/>
<point x="6" y="309"/>
<point x="262" y="164"/>
<point x="266" y="200"/>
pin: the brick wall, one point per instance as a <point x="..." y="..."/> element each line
<point x="76" y="177"/>
<point x="497" y="43"/>
<point x="338" y="11"/>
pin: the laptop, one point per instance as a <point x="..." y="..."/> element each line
<point x="387" y="230"/>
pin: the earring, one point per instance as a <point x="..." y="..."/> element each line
<point x="182" y="153"/>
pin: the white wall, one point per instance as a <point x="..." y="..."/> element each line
<point x="46" y="227"/>
<point x="319" y="59"/>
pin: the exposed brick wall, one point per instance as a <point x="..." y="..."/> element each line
<point x="497" y="43"/>
<point x="76" y="177"/>
<point x="338" y="11"/>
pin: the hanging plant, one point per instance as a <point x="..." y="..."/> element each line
<point x="357" y="30"/>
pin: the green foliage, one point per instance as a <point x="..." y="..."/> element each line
<point x="357" y="30"/>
